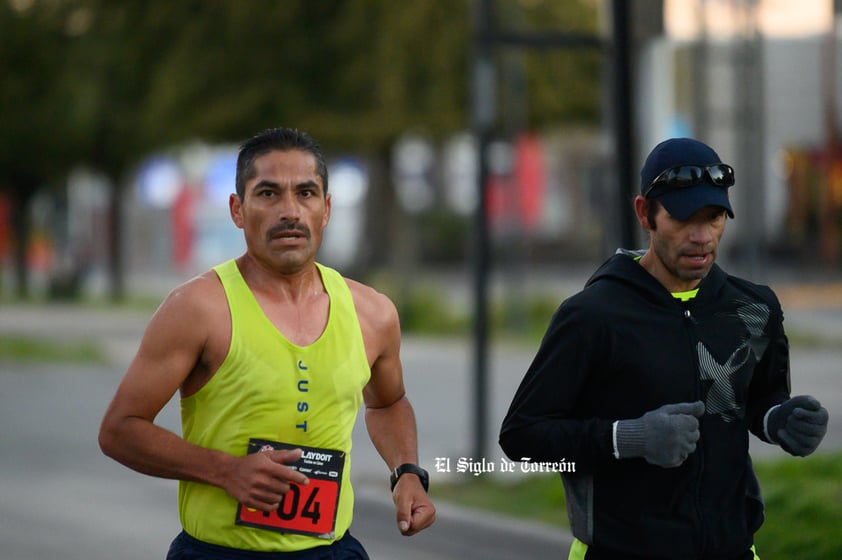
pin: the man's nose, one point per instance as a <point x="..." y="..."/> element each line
<point x="288" y="208"/>
<point x="700" y="232"/>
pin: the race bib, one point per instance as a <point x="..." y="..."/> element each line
<point x="305" y="510"/>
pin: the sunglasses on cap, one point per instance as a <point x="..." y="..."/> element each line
<point x="683" y="176"/>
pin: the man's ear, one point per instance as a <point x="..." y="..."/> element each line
<point x="641" y="210"/>
<point x="328" y="204"/>
<point x="235" y="207"/>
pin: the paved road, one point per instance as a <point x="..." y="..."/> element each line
<point x="59" y="497"/>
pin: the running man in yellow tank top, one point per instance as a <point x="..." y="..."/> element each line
<point x="273" y="354"/>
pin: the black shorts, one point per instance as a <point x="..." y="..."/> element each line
<point x="185" y="547"/>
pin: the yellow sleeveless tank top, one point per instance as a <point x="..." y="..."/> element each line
<point x="270" y="390"/>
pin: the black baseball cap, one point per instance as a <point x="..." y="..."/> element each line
<point x="681" y="203"/>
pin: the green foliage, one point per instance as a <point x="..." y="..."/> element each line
<point x="527" y="317"/>
<point x="37" y="142"/>
<point x="110" y="80"/>
<point x="32" y="349"/>
<point x="537" y="497"/>
<point x="424" y="310"/>
<point x="803" y="503"/>
<point x="562" y="84"/>
<point x="803" y="508"/>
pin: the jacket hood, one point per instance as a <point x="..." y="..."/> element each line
<point x="623" y="267"/>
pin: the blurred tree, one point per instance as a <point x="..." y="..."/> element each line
<point x="119" y="54"/>
<point x="38" y="142"/>
<point x="104" y="82"/>
<point x="563" y="85"/>
<point x="354" y="74"/>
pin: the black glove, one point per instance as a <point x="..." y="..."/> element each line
<point x="798" y="425"/>
<point x="664" y="436"/>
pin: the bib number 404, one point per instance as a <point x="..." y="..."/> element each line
<point x="309" y="510"/>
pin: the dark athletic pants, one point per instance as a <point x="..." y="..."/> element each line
<point x="185" y="547"/>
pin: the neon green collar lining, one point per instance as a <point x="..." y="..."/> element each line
<point x="683" y="296"/>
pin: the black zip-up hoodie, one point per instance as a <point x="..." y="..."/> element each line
<point x="624" y="346"/>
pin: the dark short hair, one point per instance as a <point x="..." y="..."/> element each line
<point x="280" y="139"/>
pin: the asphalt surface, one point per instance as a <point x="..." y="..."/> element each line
<point x="60" y="497"/>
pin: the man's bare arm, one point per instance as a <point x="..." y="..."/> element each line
<point x="389" y="416"/>
<point x="174" y="343"/>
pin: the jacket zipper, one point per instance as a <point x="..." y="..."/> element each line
<point x="691" y="335"/>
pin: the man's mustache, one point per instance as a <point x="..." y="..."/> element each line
<point x="287" y="226"/>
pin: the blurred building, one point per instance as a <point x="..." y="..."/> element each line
<point x="759" y="80"/>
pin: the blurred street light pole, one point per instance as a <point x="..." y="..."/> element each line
<point x="623" y="105"/>
<point x="483" y="91"/>
<point x="486" y="38"/>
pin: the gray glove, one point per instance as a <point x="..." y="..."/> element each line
<point x="664" y="436"/>
<point x="798" y="425"/>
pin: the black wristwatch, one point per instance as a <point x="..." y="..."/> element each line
<point x="413" y="469"/>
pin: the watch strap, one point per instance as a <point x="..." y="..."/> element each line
<point x="423" y="476"/>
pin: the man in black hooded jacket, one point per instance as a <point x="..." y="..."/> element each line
<point x="651" y="377"/>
